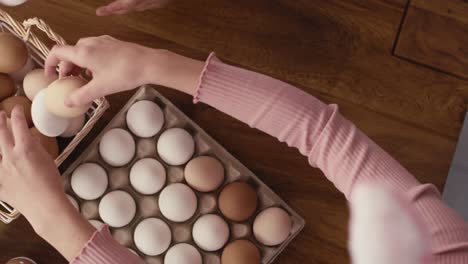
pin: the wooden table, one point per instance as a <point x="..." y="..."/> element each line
<point x="390" y="74"/>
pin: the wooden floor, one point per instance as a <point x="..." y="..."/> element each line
<point x="383" y="62"/>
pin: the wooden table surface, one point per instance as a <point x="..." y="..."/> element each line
<point x="390" y="85"/>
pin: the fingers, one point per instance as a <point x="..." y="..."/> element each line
<point x="6" y="138"/>
<point x="19" y="126"/>
<point x="117" y="7"/>
<point x="66" y="68"/>
<point x="85" y="94"/>
<point x="61" y="53"/>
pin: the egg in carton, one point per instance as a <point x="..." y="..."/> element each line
<point x="182" y="231"/>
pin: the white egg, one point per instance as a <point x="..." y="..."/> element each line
<point x="89" y="181"/>
<point x="117" y="208"/>
<point x="147" y="176"/>
<point x="117" y="147"/>
<point x="183" y="254"/>
<point x="152" y="236"/>
<point x="272" y="226"/>
<point x="177" y="202"/>
<point x="73" y="202"/>
<point x="176" y="146"/>
<point x="210" y="232"/>
<point x="12" y="2"/>
<point x="27" y="68"/>
<point x="75" y="126"/>
<point x="96" y="223"/>
<point x="145" y="118"/>
<point x="47" y="123"/>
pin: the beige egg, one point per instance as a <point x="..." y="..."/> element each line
<point x="272" y="226"/>
<point x="49" y="143"/>
<point x="35" y="81"/>
<point x="204" y="173"/>
<point x="7" y="86"/>
<point x="14" y="53"/>
<point x="9" y="103"/>
<point x="56" y="93"/>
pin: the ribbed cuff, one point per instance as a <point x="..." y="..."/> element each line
<point x="222" y="86"/>
<point x="103" y="249"/>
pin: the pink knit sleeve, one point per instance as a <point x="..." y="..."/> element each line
<point x="103" y="249"/>
<point x="331" y="143"/>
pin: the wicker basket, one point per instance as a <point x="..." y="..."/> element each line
<point x="38" y="53"/>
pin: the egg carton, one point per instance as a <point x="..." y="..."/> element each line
<point x="38" y="52"/>
<point x="207" y="202"/>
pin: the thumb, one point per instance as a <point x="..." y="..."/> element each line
<point x="84" y="95"/>
<point x="385" y="228"/>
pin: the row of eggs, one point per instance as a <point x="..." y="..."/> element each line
<point x="177" y="202"/>
<point x="210" y="232"/>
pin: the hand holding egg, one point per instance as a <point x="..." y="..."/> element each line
<point x="27" y="168"/>
<point x="96" y="54"/>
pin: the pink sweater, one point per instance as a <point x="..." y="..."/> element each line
<point x="331" y="143"/>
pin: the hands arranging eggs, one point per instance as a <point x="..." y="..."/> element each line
<point x="194" y="216"/>
<point x="42" y="97"/>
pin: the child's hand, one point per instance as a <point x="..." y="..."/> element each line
<point x="29" y="179"/>
<point x="118" y="66"/>
<point x="31" y="183"/>
<point x="119" y="7"/>
<point x="115" y="66"/>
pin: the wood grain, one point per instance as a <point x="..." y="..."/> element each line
<point x="339" y="51"/>
<point x="424" y="37"/>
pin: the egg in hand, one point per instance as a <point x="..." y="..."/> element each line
<point x="56" y="92"/>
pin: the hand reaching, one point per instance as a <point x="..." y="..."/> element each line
<point x="27" y="172"/>
<point x="31" y="183"/>
<point x="115" y="66"/>
<point x="119" y="7"/>
<point x="118" y="66"/>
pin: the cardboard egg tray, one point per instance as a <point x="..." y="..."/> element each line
<point x="147" y="206"/>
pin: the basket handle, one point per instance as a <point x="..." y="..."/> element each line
<point x="40" y="24"/>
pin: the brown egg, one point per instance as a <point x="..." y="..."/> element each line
<point x="9" y="103"/>
<point x="14" y="53"/>
<point x="204" y="173"/>
<point x="35" y="81"/>
<point x="21" y="260"/>
<point x="7" y="86"/>
<point x="238" y="201"/>
<point x="56" y="92"/>
<point x="49" y="143"/>
<point x="241" y="251"/>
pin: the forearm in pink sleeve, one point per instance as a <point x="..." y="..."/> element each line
<point x="331" y="143"/>
<point x="103" y="249"/>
